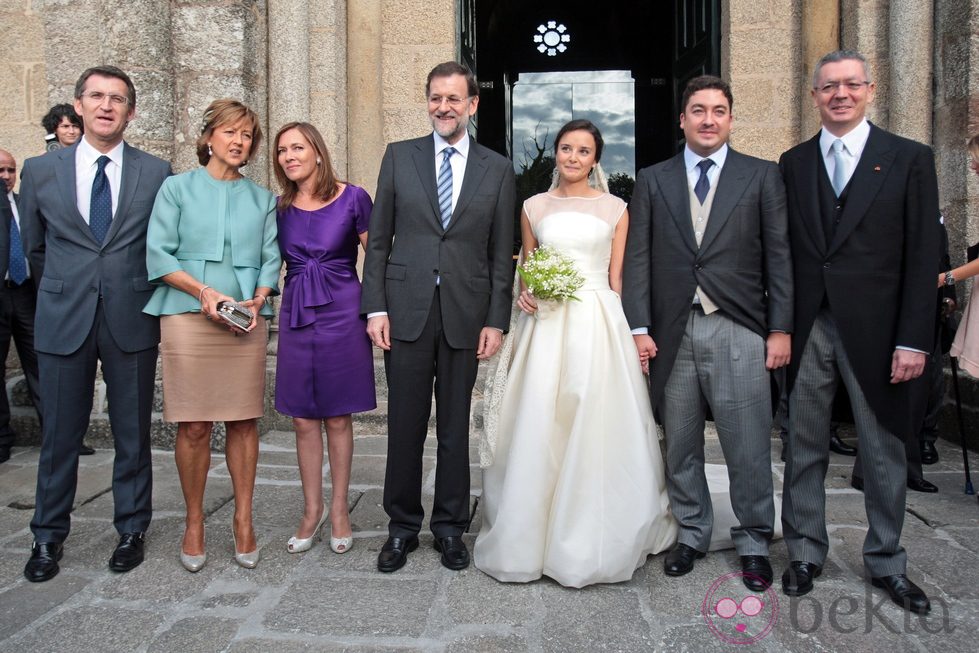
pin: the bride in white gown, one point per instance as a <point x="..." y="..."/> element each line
<point x="573" y="478"/>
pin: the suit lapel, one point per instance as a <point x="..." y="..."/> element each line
<point x="65" y="167"/>
<point x="676" y="195"/>
<point x="809" y="167"/>
<point x="868" y="177"/>
<point x="424" y="157"/>
<point x="475" y="169"/>
<point x="127" y="189"/>
<point x="731" y="185"/>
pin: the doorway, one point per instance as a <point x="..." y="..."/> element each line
<point x="620" y="63"/>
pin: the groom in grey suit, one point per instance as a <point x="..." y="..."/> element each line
<point x="437" y="292"/>
<point x="708" y="292"/>
<point x="84" y="211"/>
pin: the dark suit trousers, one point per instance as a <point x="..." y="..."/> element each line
<point x="68" y="386"/>
<point x="17" y="322"/>
<point x="803" y="493"/>
<point x="411" y="368"/>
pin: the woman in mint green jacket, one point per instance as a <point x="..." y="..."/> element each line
<point x="212" y="238"/>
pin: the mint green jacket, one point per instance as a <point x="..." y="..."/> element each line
<point x="193" y="218"/>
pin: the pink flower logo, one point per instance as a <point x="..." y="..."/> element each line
<point x="736" y="615"/>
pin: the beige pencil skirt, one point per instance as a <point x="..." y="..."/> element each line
<point x="209" y="373"/>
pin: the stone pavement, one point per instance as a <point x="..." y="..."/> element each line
<point x="319" y="601"/>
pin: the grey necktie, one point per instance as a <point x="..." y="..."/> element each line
<point x="445" y="187"/>
<point x="839" y="168"/>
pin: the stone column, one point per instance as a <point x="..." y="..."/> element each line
<point x="820" y="35"/>
<point x="288" y="96"/>
<point x="365" y="96"/>
<point x="911" y="38"/>
<point x="761" y="60"/>
<point x="865" y="28"/>
<point x="328" y="77"/>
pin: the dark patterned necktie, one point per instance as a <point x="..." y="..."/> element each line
<point x="100" y="209"/>
<point x="445" y="187"/>
<point x="703" y="183"/>
<point x="16" y="264"/>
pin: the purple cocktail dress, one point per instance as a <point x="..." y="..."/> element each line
<point x="325" y="365"/>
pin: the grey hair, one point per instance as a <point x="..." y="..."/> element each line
<point x="840" y="55"/>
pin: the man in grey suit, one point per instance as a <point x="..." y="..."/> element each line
<point x="17" y="298"/>
<point x="708" y="292"/>
<point x="84" y="212"/>
<point x="437" y="292"/>
<point x="862" y="216"/>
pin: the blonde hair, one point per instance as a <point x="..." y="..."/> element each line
<point x="226" y="112"/>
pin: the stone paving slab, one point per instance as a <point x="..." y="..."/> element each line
<point x="320" y="601"/>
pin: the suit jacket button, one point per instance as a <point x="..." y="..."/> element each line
<point x="826" y="265"/>
<point x="698" y="267"/>
<point x="443" y="237"/>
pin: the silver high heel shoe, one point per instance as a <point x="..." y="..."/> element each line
<point x="341" y="544"/>
<point x="193" y="563"/>
<point x="300" y="544"/>
<point x="247" y="560"/>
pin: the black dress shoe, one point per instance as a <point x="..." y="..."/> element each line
<point x="679" y="560"/>
<point x="921" y="485"/>
<point x="797" y="579"/>
<point x="757" y="573"/>
<point x="4" y="454"/>
<point x="85" y="450"/>
<point x="129" y="552"/>
<point x="856" y="483"/>
<point x="903" y="592"/>
<point x="455" y="555"/>
<point x="837" y="445"/>
<point x="43" y="564"/>
<point x="929" y="454"/>
<point x="394" y="553"/>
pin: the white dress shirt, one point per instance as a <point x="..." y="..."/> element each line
<point x="86" y="157"/>
<point x="853" y="143"/>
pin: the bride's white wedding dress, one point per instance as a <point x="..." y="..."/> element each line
<point x="576" y="489"/>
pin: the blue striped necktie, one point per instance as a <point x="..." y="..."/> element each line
<point x="702" y="187"/>
<point x="16" y="263"/>
<point x="445" y="187"/>
<point x="100" y="208"/>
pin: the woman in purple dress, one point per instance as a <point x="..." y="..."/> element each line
<point x="325" y="367"/>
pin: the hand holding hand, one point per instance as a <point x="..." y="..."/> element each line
<point x="379" y="331"/>
<point x="490" y="340"/>
<point x="646" y="348"/>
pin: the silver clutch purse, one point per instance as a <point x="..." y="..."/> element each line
<point x="235" y="314"/>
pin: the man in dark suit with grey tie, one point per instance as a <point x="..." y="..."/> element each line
<point x="437" y="293"/>
<point x="707" y="290"/>
<point x="863" y="207"/>
<point x="84" y="212"/>
<point x="17" y="299"/>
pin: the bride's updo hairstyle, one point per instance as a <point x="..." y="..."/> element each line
<point x="582" y="125"/>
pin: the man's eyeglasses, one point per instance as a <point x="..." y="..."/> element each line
<point x="852" y="86"/>
<point x="454" y="102"/>
<point x="98" y="97"/>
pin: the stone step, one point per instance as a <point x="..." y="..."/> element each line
<point x="25" y="423"/>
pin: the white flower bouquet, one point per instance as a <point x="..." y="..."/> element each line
<point x="551" y="275"/>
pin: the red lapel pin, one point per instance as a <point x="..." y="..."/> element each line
<point x="876" y="168"/>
